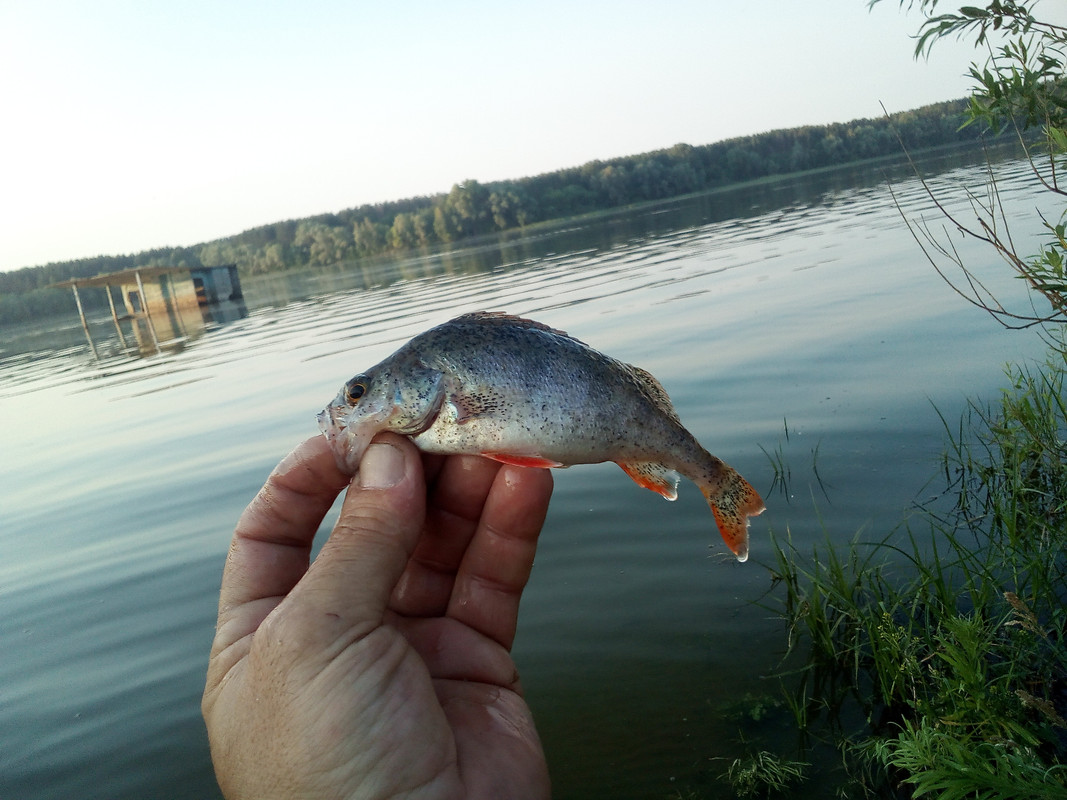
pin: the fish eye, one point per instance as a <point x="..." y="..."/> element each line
<point x="354" y="390"/>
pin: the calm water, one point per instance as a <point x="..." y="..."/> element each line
<point x="802" y="304"/>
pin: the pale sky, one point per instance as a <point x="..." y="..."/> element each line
<point x="134" y="124"/>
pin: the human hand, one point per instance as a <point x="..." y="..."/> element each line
<point x="383" y="668"/>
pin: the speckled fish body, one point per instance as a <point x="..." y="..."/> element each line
<point x="520" y="392"/>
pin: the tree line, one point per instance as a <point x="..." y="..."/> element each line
<point x="472" y="209"/>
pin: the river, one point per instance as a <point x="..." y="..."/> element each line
<point x="795" y="323"/>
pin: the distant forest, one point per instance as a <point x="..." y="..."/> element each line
<point x="472" y="208"/>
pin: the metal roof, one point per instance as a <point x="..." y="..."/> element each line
<point x="122" y="276"/>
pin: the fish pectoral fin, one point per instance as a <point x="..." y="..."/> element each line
<point x="652" y="475"/>
<point x="469" y="407"/>
<point x="538" y="462"/>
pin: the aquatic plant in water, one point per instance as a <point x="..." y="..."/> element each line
<point x="934" y="660"/>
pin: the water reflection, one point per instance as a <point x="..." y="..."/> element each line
<point x="178" y="327"/>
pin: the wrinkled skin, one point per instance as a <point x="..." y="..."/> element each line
<point x="383" y="668"/>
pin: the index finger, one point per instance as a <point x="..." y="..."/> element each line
<point x="272" y="541"/>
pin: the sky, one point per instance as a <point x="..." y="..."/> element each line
<point x="127" y="125"/>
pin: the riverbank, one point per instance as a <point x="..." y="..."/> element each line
<point x="933" y="660"/>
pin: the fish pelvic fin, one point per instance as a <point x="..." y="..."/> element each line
<point x="733" y="501"/>
<point x="652" y="475"/>
<point x="538" y="462"/>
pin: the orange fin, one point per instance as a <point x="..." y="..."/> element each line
<point x="733" y="501"/>
<point x="650" y="475"/>
<point x="537" y="462"/>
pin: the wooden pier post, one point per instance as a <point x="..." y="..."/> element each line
<point x="115" y="316"/>
<point x="147" y="313"/>
<point x="85" y="325"/>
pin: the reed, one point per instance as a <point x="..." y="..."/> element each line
<point x="934" y="660"/>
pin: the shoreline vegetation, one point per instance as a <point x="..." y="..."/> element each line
<point x="931" y="661"/>
<point x="472" y="209"/>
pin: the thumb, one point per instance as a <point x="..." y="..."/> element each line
<point x="381" y="519"/>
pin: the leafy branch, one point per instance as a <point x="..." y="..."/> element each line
<point x="1020" y="86"/>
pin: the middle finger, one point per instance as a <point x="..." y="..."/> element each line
<point x="452" y="514"/>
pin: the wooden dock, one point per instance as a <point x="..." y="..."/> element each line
<point x="167" y="301"/>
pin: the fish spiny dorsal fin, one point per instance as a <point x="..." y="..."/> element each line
<point x="654" y="389"/>
<point x="503" y="318"/>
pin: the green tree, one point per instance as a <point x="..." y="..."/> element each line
<point x="505" y="207"/>
<point x="322" y="244"/>
<point x="369" y="238"/>
<point x="272" y="258"/>
<point x="423" y="223"/>
<point x="402" y="234"/>
<point x="443" y="226"/>
<point x="468" y="206"/>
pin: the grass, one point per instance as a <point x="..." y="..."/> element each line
<point x="782" y="474"/>
<point x="934" y="661"/>
<point x="763" y="773"/>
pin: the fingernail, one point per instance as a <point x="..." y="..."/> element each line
<point x="382" y="467"/>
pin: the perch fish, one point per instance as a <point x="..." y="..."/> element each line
<point x="520" y="392"/>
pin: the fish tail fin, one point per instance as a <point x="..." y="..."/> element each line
<point x="733" y="501"/>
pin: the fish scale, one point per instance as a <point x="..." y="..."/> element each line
<point x="520" y="392"/>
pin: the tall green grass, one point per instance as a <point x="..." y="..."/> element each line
<point x="934" y="660"/>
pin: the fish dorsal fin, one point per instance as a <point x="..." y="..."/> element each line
<point x="655" y="391"/>
<point x="503" y="318"/>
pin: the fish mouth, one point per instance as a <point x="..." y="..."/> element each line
<point x="348" y="438"/>
<point x="331" y="423"/>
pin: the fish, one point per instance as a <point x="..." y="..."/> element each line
<point x="521" y="392"/>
